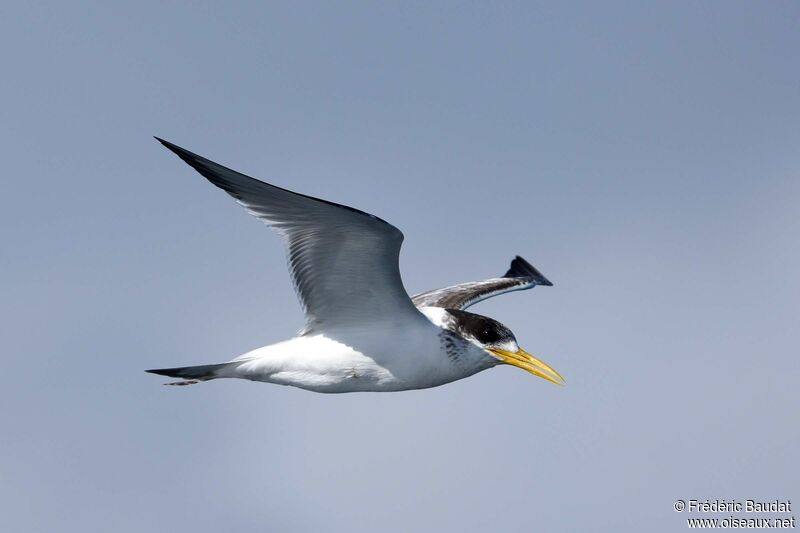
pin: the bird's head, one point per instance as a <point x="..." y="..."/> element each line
<point x="499" y="343"/>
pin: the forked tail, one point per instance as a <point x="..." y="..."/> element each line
<point x="191" y="374"/>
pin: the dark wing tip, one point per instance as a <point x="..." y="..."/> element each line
<point x="520" y="268"/>
<point x="166" y="143"/>
<point x="180" y="152"/>
<point x="222" y="177"/>
<point x="214" y="172"/>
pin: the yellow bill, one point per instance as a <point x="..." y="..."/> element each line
<point x="526" y="361"/>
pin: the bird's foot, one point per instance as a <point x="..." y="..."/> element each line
<point x="182" y="383"/>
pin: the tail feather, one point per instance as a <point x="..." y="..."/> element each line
<point x="191" y="373"/>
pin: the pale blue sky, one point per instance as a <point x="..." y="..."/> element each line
<point x="644" y="156"/>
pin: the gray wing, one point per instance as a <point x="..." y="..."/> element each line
<point x="343" y="262"/>
<point x="522" y="275"/>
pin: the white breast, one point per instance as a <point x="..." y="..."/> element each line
<point x="397" y="357"/>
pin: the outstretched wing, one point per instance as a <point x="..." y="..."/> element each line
<point x="343" y="262"/>
<point x="522" y="275"/>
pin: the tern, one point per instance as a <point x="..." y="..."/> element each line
<point x="362" y="332"/>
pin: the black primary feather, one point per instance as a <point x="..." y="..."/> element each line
<point x="520" y="268"/>
<point x="520" y="276"/>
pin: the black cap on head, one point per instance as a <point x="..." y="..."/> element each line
<point x="485" y="330"/>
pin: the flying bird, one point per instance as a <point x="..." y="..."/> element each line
<point x="363" y="332"/>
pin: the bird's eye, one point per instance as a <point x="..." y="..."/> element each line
<point x="489" y="335"/>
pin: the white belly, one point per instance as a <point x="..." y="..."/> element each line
<point x="358" y="361"/>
